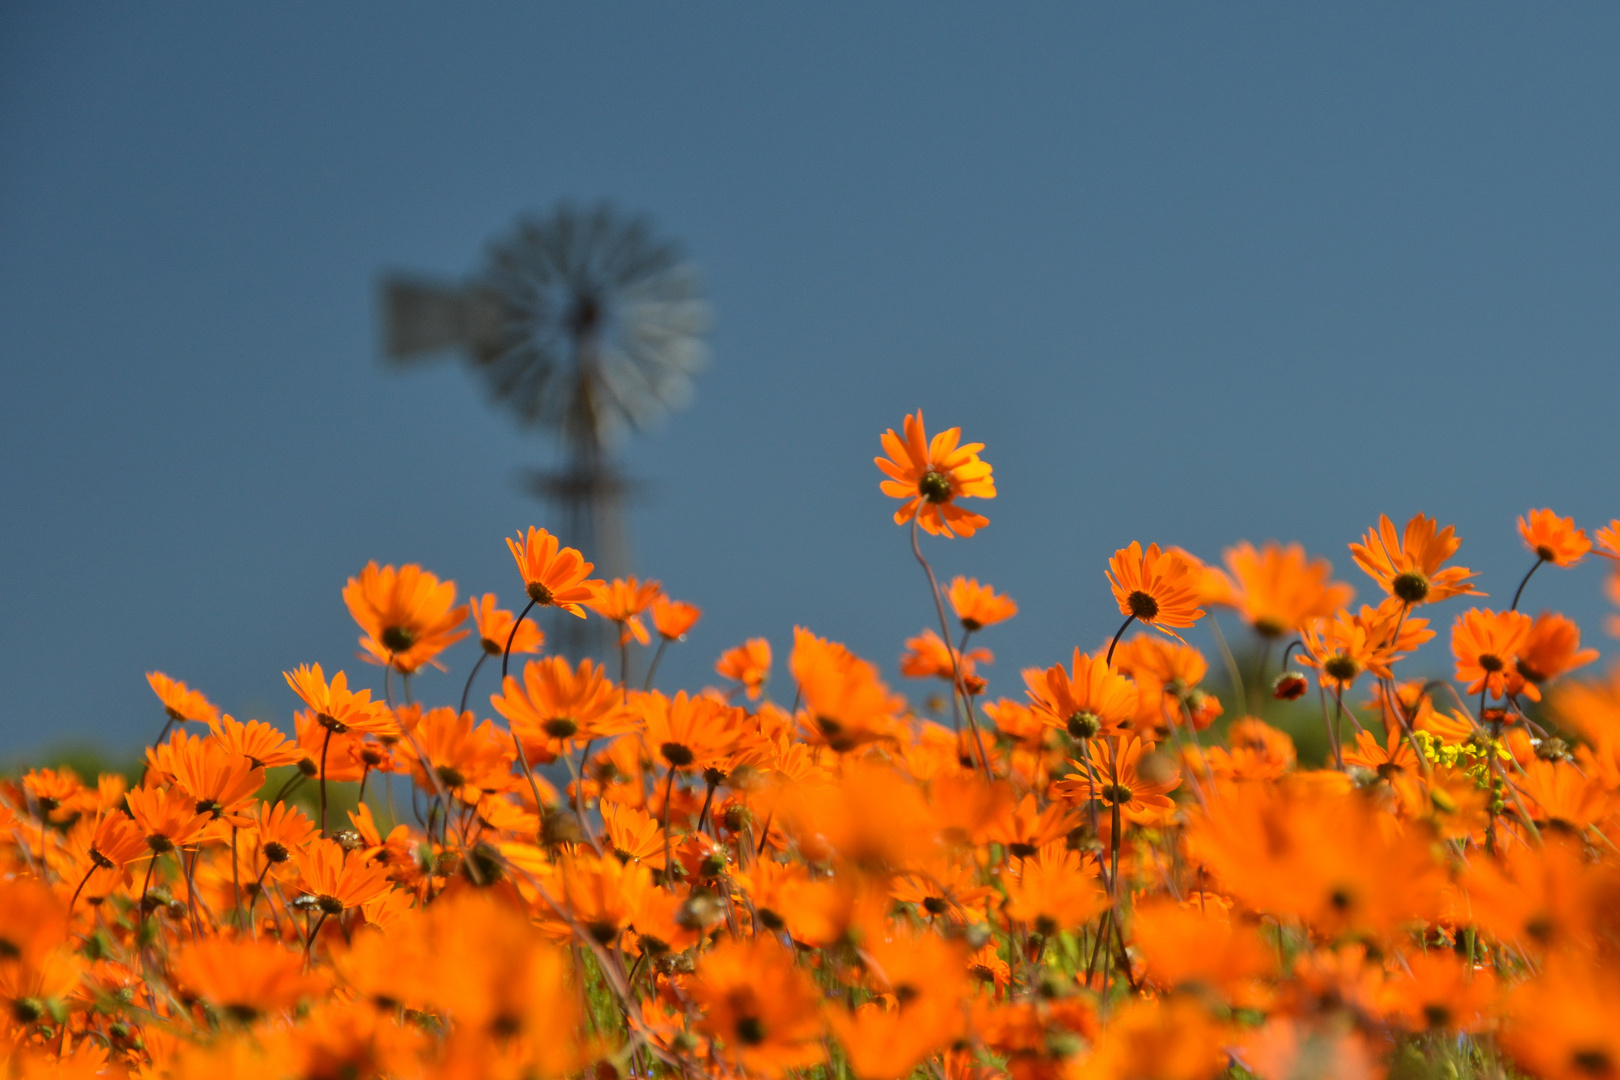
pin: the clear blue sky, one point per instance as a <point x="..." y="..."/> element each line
<point x="1194" y="273"/>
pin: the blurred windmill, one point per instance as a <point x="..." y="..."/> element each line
<point x="584" y="323"/>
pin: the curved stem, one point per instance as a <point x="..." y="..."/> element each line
<point x="506" y="653"/>
<point x="1520" y="590"/>
<point x="465" y="690"/>
<point x="293" y="781"/>
<point x="669" y="865"/>
<point x="1109" y="662"/>
<point x="326" y="744"/>
<point x="658" y="655"/>
<point x="79" y="890"/>
<point x="945" y="635"/>
<point x="624" y="662"/>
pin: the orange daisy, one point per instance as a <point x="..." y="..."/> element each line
<point x="556" y="706"/>
<point x="623" y="600"/>
<point x="337" y="708"/>
<point x="180" y="701"/>
<point x="554" y="577"/>
<point x="1554" y="539"/>
<point x="495" y="629"/>
<point x="748" y="664"/>
<point x="338" y="880"/>
<point x="167" y="817"/>
<point x="1116" y="781"/>
<point x="1552" y="648"/>
<point x="1091" y="700"/>
<point x="673" y="618"/>
<point x="979" y="606"/>
<point x="1408" y="566"/>
<point x="1486" y="644"/>
<point x="931" y="476"/>
<point x="1159" y="588"/>
<point x="408" y="614"/>
<point x="1608" y="539"/>
<point x="1278" y="590"/>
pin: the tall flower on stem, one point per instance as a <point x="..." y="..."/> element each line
<point x="338" y="710"/>
<point x="623" y="600"/>
<point x="930" y="477"/>
<point x="672" y="619"/>
<point x="1158" y="588"/>
<point x="1551" y="539"/>
<point x="1408" y="566"/>
<point x="409" y="616"/>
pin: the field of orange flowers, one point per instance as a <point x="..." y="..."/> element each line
<point x="796" y="874"/>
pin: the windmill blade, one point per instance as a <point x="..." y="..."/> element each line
<point x="423" y="319"/>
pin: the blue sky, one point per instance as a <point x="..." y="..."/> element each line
<point x="1194" y="274"/>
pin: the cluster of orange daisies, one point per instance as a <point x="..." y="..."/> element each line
<point x="1112" y="875"/>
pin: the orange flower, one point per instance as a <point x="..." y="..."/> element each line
<point x="931" y="476"/>
<point x="760" y="1005"/>
<point x="1117" y="781"/>
<point x="1560" y="1024"/>
<point x="688" y="732"/>
<point x="180" y="701"/>
<point x="281" y="830"/>
<point x="338" y="881"/>
<point x="408" y="615"/>
<point x="1391" y="759"/>
<point x="495" y="629"/>
<point x="979" y="606"/>
<point x="928" y="657"/>
<point x="117" y="842"/>
<point x="1090" y="701"/>
<point x="846" y="705"/>
<point x="243" y="978"/>
<point x="1053" y="891"/>
<point x="221" y="780"/>
<point x="748" y="664"/>
<point x="553" y="577"/>
<point x="263" y="745"/>
<point x="1553" y="647"/>
<point x="167" y="817"/>
<point x="1442" y="992"/>
<point x="336" y="708"/>
<point x="462" y="755"/>
<point x="1408" y="567"/>
<point x="623" y="600"/>
<point x="1277" y="590"/>
<point x="1486" y="644"/>
<point x="1343" y="647"/>
<point x="673" y="618"/>
<point x="1608" y="540"/>
<point x="557" y="705"/>
<point x="1554" y="539"/>
<point x="1157" y="588"/>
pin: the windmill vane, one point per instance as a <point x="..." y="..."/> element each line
<point x="583" y="323"/>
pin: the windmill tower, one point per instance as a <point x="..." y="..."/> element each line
<point x="583" y="323"/>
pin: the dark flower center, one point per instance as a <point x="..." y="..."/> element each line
<point x="560" y="727"/>
<point x="750" y="1030"/>
<point x="1490" y="662"/>
<point x="398" y="638"/>
<point x="1143" y="606"/>
<point x="676" y="754"/>
<point x="1593" y="1062"/>
<point x="1084" y="724"/>
<point x="1411" y="587"/>
<point x="1116" y="793"/>
<point x="539" y="593"/>
<point x="1340" y="668"/>
<point x="934" y="486"/>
